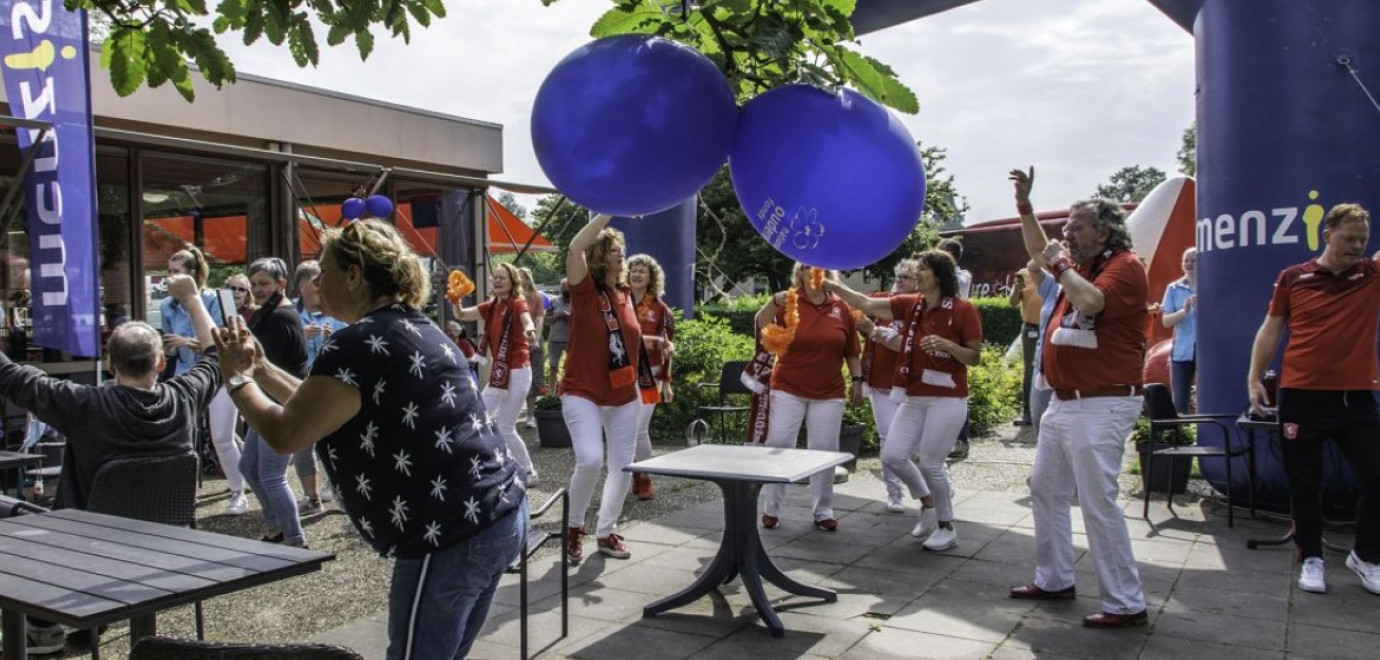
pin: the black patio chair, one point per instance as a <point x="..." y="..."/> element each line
<point x="167" y="648"/>
<point x="730" y="383"/>
<point x="159" y="489"/>
<point x="1164" y="418"/>
<point x="11" y="507"/>
<point x="535" y="540"/>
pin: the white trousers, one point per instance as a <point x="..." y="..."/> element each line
<point x="883" y="410"/>
<point x="823" y="419"/>
<point x="1081" y="446"/>
<point x="928" y="426"/>
<point x="223" y="418"/>
<point x="504" y="407"/>
<point x="589" y="425"/>
<point x="644" y="430"/>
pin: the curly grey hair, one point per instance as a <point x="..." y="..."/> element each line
<point x="1109" y="216"/>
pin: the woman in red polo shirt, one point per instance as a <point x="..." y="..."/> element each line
<point x="807" y="382"/>
<point x="878" y="370"/>
<point x="508" y="335"/>
<point x="940" y="337"/>
<point x="599" y="397"/>
<point x="658" y="331"/>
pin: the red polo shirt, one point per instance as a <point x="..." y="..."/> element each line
<point x="813" y="366"/>
<point x="587" y="354"/>
<point x="883" y="359"/>
<point x="1332" y="323"/>
<point x="658" y="322"/>
<point x="1090" y="352"/>
<point x="954" y="319"/>
<point x="519" y="352"/>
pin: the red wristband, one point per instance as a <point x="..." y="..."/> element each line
<point x="1025" y="208"/>
<point x="1060" y="266"/>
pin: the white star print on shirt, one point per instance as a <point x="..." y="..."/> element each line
<point x="449" y="353"/>
<point x="326" y="347"/>
<point x="443" y="439"/>
<point x="398" y="512"/>
<point x="366" y="439"/>
<point x="378" y="390"/>
<point x="346" y="376"/>
<point x="402" y="462"/>
<point x="410" y="414"/>
<point x="433" y="533"/>
<point x="418" y="364"/>
<point x="476" y="466"/>
<point x="377" y="344"/>
<point x="331" y="455"/>
<point x="411" y="327"/>
<point x="362" y="485"/>
<point x="439" y="488"/>
<point x="448" y="394"/>
<point x="472" y="510"/>
<point x="365" y="527"/>
<point x="476" y="423"/>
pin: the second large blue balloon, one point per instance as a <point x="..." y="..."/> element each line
<point x="632" y="125"/>
<point x="830" y="180"/>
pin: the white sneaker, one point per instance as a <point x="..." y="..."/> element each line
<point x="944" y="538"/>
<point x="533" y="478"/>
<point x="1311" y="578"/>
<point x="327" y="495"/>
<point x="928" y="523"/>
<point x="238" y="505"/>
<point x="1368" y="572"/>
<point x="531" y="422"/>
<point x="894" y="505"/>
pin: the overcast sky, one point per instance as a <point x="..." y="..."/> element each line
<point x="1078" y="88"/>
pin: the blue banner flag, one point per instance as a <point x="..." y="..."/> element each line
<point x="47" y="78"/>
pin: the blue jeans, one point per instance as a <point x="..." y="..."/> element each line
<point x="437" y="604"/>
<point x="265" y="471"/>
<point x="1181" y="377"/>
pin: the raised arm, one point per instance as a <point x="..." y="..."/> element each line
<point x="879" y="308"/>
<point x="1262" y="351"/>
<point x="183" y="288"/>
<point x="575" y="267"/>
<point x="1031" y="232"/>
<point x="466" y="314"/>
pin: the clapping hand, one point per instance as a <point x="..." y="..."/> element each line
<point x="237" y="350"/>
<point x="180" y="287"/>
<point x="1053" y="250"/>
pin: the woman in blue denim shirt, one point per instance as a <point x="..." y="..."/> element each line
<point x="180" y="343"/>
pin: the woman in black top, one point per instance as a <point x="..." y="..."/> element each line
<point x="400" y="428"/>
<point x="276" y="326"/>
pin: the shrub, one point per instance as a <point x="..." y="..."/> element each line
<point x="994" y="390"/>
<point x="1001" y="323"/>
<point x="702" y="346"/>
<point x="738" y="312"/>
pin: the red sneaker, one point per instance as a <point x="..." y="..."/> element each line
<point x="770" y="522"/>
<point x="613" y="546"/>
<point x="642" y="484"/>
<point x="827" y="525"/>
<point x="573" y="550"/>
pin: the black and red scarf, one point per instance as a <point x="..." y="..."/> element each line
<point x="647" y="386"/>
<point x="622" y="371"/>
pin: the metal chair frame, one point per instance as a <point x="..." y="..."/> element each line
<point x="1164" y="417"/>
<point x="730" y="382"/>
<point x="533" y="542"/>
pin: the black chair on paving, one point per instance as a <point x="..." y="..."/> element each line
<point x="535" y="540"/>
<point x="159" y="489"/>
<point x="167" y="648"/>
<point x="1165" y="418"/>
<point x="730" y="383"/>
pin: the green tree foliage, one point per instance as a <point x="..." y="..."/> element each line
<point x="1188" y="152"/>
<point x="509" y="201"/>
<point x="764" y="44"/>
<point x="1131" y="184"/>
<point x="153" y="42"/>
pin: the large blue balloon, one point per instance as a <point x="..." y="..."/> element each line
<point x="632" y="125"/>
<point x="830" y="180"/>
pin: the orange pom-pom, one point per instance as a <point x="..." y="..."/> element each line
<point x="817" y="278"/>
<point x="777" y="339"/>
<point x="458" y="286"/>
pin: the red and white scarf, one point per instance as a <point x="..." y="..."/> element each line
<point x="498" y="374"/>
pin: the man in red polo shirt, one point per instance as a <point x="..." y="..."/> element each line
<point x="1094" y="349"/>
<point x="1330" y="306"/>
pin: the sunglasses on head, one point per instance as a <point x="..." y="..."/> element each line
<point x="240" y="289"/>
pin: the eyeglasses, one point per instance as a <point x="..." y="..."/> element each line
<point x="239" y="289"/>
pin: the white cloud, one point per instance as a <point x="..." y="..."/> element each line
<point x="1079" y="88"/>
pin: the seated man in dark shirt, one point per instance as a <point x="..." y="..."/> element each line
<point x="133" y="416"/>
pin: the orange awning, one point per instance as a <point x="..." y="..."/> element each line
<point x="507" y="234"/>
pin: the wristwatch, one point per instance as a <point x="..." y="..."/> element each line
<point x="236" y="382"/>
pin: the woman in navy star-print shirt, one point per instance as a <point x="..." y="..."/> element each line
<point x="423" y="475"/>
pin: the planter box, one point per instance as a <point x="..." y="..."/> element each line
<point x="1180" y="465"/>
<point x="551" y="429"/>
<point x="850" y="441"/>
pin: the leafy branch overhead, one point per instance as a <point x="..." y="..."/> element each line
<point x="763" y="44"/>
<point x="157" y="42"/>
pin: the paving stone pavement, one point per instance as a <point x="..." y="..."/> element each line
<point x="1208" y="595"/>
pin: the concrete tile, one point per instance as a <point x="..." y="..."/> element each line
<point x="1169" y="646"/>
<point x="596" y="600"/>
<point x="655" y="581"/>
<point x="1333" y="644"/>
<point x="1197" y="601"/>
<point x="892" y="591"/>
<point x="1043" y="635"/>
<point x="1344" y="606"/>
<point x="637" y="641"/>
<point x="1016" y="653"/>
<point x="898" y="643"/>
<point x="806" y="636"/>
<point x="661" y="534"/>
<point x="970" y="610"/>
<point x="904" y="556"/>
<point x="543" y="631"/>
<point x="1219" y="557"/>
<point x="1223" y="629"/>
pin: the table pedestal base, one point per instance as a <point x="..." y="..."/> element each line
<point x="741" y="555"/>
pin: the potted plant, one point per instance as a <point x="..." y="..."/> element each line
<point x="1164" y="466"/>
<point x="551" y="429"/>
<point x="851" y="432"/>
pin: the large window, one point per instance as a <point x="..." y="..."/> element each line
<point x="220" y="206"/>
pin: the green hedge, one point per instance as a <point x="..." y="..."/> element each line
<point x="1001" y="323"/>
<point x="702" y="346"/>
<point x="739" y="312"/>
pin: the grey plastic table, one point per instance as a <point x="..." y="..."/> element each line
<point x="740" y="472"/>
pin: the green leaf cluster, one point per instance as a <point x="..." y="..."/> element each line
<point x="764" y="44"/>
<point x="157" y="42"/>
<point x="994" y="390"/>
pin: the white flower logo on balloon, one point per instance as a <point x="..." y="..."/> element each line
<point x="807" y="229"/>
